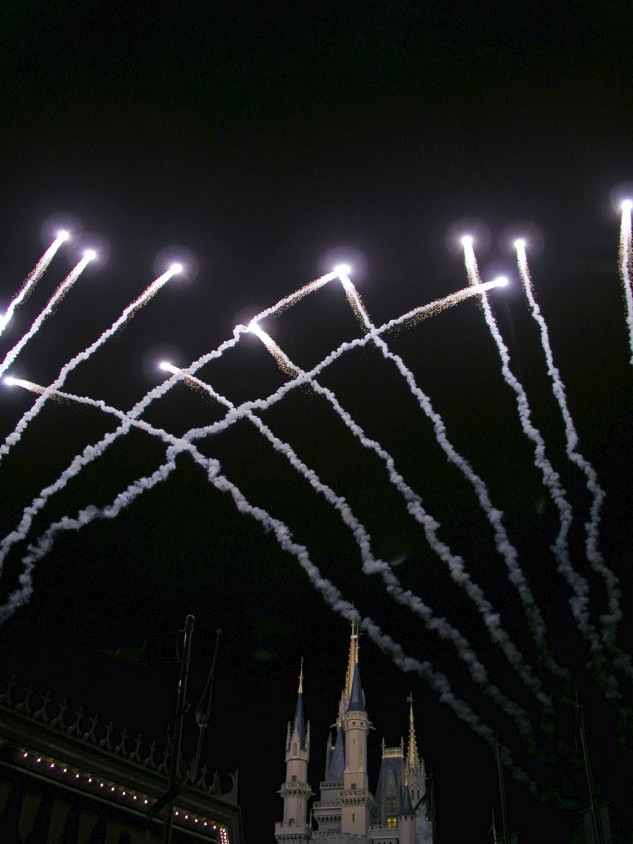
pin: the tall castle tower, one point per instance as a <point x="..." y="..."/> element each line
<point x="296" y="791"/>
<point x="347" y="812"/>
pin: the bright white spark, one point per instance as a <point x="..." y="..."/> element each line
<point x="626" y="266"/>
<point x="33" y="277"/>
<point x="57" y="296"/>
<point x="342" y="269"/>
<point x="90" y="254"/>
<point x="176" y="269"/>
<point x="26" y="385"/>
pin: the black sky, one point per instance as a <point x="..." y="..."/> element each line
<point x="262" y="138"/>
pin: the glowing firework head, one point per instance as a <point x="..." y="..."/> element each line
<point x="519" y="244"/>
<point x="63" y="235"/>
<point x="626" y="206"/>
<point x="466" y="241"/>
<point x="176" y="268"/>
<point x="342" y="270"/>
<point x="168" y="367"/>
<point x="501" y="281"/>
<point x="90" y="255"/>
<point x="254" y="328"/>
<point x="26" y="385"/>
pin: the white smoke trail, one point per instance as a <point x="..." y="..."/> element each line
<point x="282" y="533"/>
<point x="99" y="448"/>
<point x="505" y="548"/>
<point x="57" y="296"/>
<point x="579" y="586"/>
<point x="592" y="527"/>
<point x="626" y="267"/>
<point x="372" y="565"/>
<point x="127" y="314"/>
<point x="33" y="277"/>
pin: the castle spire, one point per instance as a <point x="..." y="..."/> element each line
<point x="414" y="772"/>
<point x="352" y="661"/>
<point x="298" y="725"/>
<point x="413" y="757"/>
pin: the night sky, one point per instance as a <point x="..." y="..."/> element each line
<point x="261" y="144"/>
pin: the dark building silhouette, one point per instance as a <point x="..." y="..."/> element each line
<point x="66" y="779"/>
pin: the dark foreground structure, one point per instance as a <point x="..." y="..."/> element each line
<point x="66" y="779"/>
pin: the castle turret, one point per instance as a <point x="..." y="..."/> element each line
<point x="356" y="800"/>
<point x="296" y="791"/>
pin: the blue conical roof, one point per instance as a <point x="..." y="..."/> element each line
<point x="356" y="700"/>
<point x="299" y="724"/>
<point x="336" y="766"/>
<point x="406" y="808"/>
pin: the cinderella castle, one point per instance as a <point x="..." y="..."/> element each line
<point x="348" y="812"/>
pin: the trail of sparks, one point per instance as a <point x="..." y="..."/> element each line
<point x="127" y="314"/>
<point x="534" y="617"/>
<point x="55" y="299"/>
<point x="626" y="267"/>
<point x="576" y="582"/>
<point x="31" y="280"/>
<point x="592" y="527"/>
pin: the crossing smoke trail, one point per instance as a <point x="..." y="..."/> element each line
<point x="127" y="314"/>
<point x="592" y="527"/>
<point x="327" y="589"/>
<point x="33" y="277"/>
<point x="626" y="266"/>
<point x="505" y="548"/>
<point x="372" y="565"/>
<point x="55" y="299"/>
<point x="414" y="505"/>
<point x="576" y="582"/>
<point x="98" y="449"/>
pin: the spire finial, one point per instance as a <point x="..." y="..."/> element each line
<point x="301" y="678"/>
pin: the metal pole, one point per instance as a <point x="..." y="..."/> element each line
<point x="203" y="716"/>
<point x="180" y="711"/>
